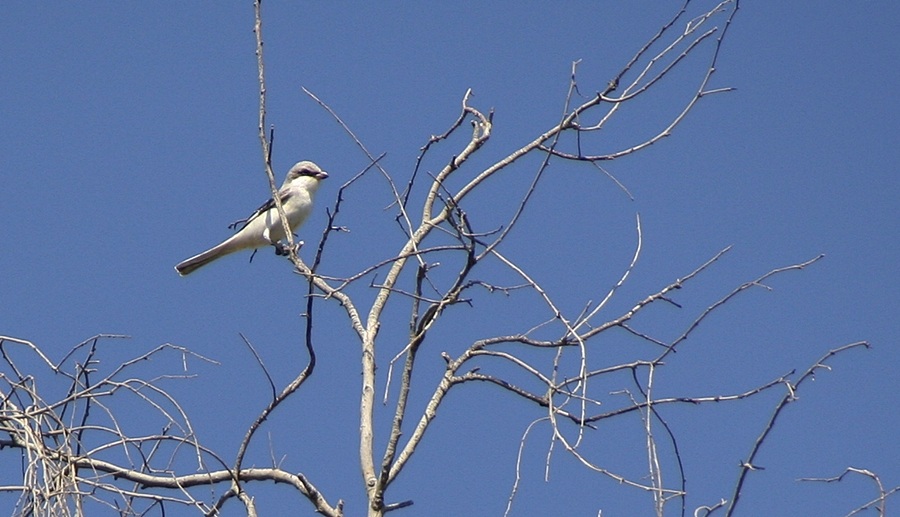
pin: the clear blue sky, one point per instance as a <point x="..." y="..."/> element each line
<point x="129" y="142"/>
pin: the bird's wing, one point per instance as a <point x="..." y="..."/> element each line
<point x="284" y="194"/>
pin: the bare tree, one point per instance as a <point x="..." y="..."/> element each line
<point x="74" y="448"/>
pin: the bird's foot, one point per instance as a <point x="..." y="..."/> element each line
<point x="282" y="249"/>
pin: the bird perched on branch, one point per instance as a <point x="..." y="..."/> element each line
<point x="263" y="227"/>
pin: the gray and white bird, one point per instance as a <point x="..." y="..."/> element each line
<point x="263" y="227"/>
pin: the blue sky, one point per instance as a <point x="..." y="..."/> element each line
<point x="129" y="142"/>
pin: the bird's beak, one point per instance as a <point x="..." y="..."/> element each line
<point x="321" y="175"/>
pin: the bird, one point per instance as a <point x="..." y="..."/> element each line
<point x="264" y="227"/>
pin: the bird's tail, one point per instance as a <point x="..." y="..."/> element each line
<point x="188" y="266"/>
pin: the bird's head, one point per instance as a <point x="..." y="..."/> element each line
<point x="305" y="168"/>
